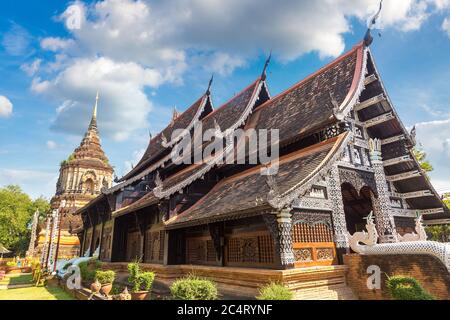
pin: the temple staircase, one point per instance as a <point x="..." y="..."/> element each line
<point x="308" y="283"/>
<point x="320" y="283"/>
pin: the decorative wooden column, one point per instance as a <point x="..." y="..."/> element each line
<point x="338" y="214"/>
<point x="381" y="205"/>
<point x="166" y="248"/>
<point x="284" y="220"/>
<point x="216" y="230"/>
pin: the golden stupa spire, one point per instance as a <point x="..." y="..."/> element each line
<point x="94" y="112"/>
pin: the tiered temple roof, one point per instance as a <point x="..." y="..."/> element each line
<point x="242" y="194"/>
<point x="308" y="115"/>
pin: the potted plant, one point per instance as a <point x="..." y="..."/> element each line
<point x="87" y="271"/>
<point x="106" y="279"/>
<point x="141" y="282"/>
<point x="95" y="287"/>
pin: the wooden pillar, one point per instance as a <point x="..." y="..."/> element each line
<point x="101" y="240"/>
<point x="140" y="221"/>
<point x="216" y="231"/>
<point x="284" y="220"/>
<point x="280" y="227"/>
<point x="116" y="247"/>
<point x="382" y="204"/>
<point x="166" y="248"/>
<point x="338" y="214"/>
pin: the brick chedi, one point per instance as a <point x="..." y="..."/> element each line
<point x="81" y="178"/>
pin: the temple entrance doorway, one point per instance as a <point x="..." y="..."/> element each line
<point x="357" y="206"/>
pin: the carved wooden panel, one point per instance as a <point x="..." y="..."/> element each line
<point x="313" y="245"/>
<point x="88" y="240"/>
<point x="105" y="250"/>
<point x="200" y="250"/>
<point x="266" y="249"/>
<point x="302" y="232"/>
<point x="250" y="250"/>
<point x="133" y="246"/>
<point x="154" y="246"/>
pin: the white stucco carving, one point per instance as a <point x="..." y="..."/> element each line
<point x="419" y="235"/>
<point x="365" y="243"/>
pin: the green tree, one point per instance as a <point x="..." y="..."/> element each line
<point x="438" y="233"/>
<point x="16" y="212"/>
<point x="447" y="199"/>
<point x="421" y="156"/>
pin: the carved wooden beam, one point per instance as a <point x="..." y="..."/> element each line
<point x="436" y="222"/>
<point x="393" y="139"/>
<point x="370" y="102"/>
<point x="404" y="175"/>
<point x="431" y="211"/>
<point x="398" y="160"/>
<point x="414" y="194"/>
<point x="369" y="79"/>
<point x="411" y="213"/>
<point x="380" y="119"/>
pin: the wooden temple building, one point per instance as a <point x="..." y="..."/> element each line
<point x="343" y="152"/>
<point x="81" y="178"/>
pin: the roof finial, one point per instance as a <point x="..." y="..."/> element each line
<point x="368" y="39"/>
<point x="175" y="114"/>
<point x="264" y="73"/>
<point x="94" y="112"/>
<point x="208" y="91"/>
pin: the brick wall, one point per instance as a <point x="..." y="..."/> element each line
<point x="428" y="270"/>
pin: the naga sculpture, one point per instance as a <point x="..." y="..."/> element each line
<point x="420" y="234"/>
<point x="365" y="243"/>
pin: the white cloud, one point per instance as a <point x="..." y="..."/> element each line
<point x="441" y="4"/>
<point x="16" y="41"/>
<point x="446" y="26"/>
<point x="33" y="182"/>
<point x="51" y="145"/>
<point x="123" y="47"/>
<point x="56" y="44"/>
<point x="221" y="63"/>
<point x="31" y="68"/>
<point x="123" y="105"/>
<point x="137" y="155"/>
<point x="6" y="107"/>
<point x="38" y="85"/>
<point x="434" y="136"/>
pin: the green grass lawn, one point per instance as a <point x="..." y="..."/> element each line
<point x="17" y="279"/>
<point x="35" y="293"/>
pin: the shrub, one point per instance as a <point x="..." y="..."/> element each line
<point x="88" y="269"/>
<point x="406" y="288"/>
<point x="144" y="281"/>
<point x="105" y="277"/>
<point x="194" y="288"/>
<point x="274" y="291"/>
<point x="117" y="289"/>
<point x="141" y="281"/>
<point x="133" y="270"/>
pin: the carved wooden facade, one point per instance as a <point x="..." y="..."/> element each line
<point x="344" y="153"/>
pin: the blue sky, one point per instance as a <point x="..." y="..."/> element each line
<point x="145" y="57"/>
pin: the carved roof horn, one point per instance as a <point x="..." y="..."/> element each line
<point x="368" y="39"/>
<point x="208" y="91"/>
<point x="264" y="72"/>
